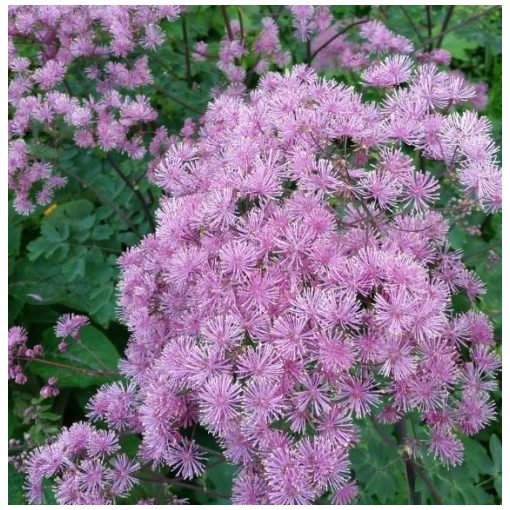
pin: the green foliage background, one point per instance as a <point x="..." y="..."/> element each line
<point x="63" y="259"/>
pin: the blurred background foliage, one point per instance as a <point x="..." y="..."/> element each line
<point x="63" y="258"/>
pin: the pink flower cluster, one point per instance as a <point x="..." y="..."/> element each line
<point x="266" y="48"/>
<point x="107" y="113"/>
<point x="99" y="42"/>
<point x="307" y="19"/>
<point x="50" y="389"/>
<point x="69" y="325"/>
<point x="19" y="350"/>
<point x="330" y="43"/>
<point x="298" y="279"/>
<point x="332" y="48"/>
<point x="86" y="466"/>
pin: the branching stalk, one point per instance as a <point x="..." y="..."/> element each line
<point x="390" y="441"/>
<point x="445" y="24"/>
<point x="186" y="51"/>
<point x="410" y="466"/>
<point x="87" y="371"/>
<point x="428" y="8"/>
<point x="224" y="12"/>
<point x="468" y="21"/>
<point x="412" y="23"/>
<point x="136" y="191"/>
<point x="331" y="39"/>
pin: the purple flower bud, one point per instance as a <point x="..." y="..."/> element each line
<point x="46" y="391"/>
<point x="20" y="378"/>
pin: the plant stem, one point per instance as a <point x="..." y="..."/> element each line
<point x="211" y="451"/>
<point x="428" y="8"/>
<point x="445" y="24"/>
<point x="308" y="50"/>
<point x="197" y="488"/>
<point x="179" y="101"/>
<point x="382" y="11"/>
<point x="412" y="23"/>
<point x="274" y="14"/>
<point x="224" y="12"/>
<point x="87" y="371"/>
<point x="430" y="486"/>
<point x="186" y="51"/>
<point x="241" y="23"/>
<point x="414" y="497"/>
<point x="390" y="441"/>
<point x="67" y="87"/>
<point x="136" y="191"/>
<point x="463" y="24"/>
<point x="331" y="39"/>
<point x="180" y="483"/>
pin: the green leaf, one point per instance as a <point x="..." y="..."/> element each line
<point x="498" y="486"/>
<point x="16" y="494"/>
<point x="14" y="231"/>
<point x="458" y="237"/>
<point x="378" y="468"/>
<point x="458" y="45"/>
<point x="102" y="232"/>
<point x="68" y="154"/>
<point x="15" y="306"/>
<point x="102" y="304"/>
<point x="42" y="246"/>
<point x="85" y="223"/>
<point x="13" y="421"/>
<point x="74" y="268"/>
<point x="50" y="416"/>
<point x="130" y="445"/>
<point x="48" y="495"/>
<point x="53" y="231"/>
<point x="474" y="495"/>
<point x="495" y="448"/>
<point x="476" y="459"/>
<point x="220" y="478"/>
<point x="383" y="486"/>
<point x="93" y="355"/>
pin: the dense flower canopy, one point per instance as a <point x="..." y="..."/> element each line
<point x="299" y="278"/>
<point x="101" y="40"/>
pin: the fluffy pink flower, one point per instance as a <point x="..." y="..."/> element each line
<point x="185" y="458"/>
<point x="360" y="394"/>
<point x="220" y="402"/>
<point x="445" y="446"/>
<point x="50" y="74"/>
<point x="69" y="325"/>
